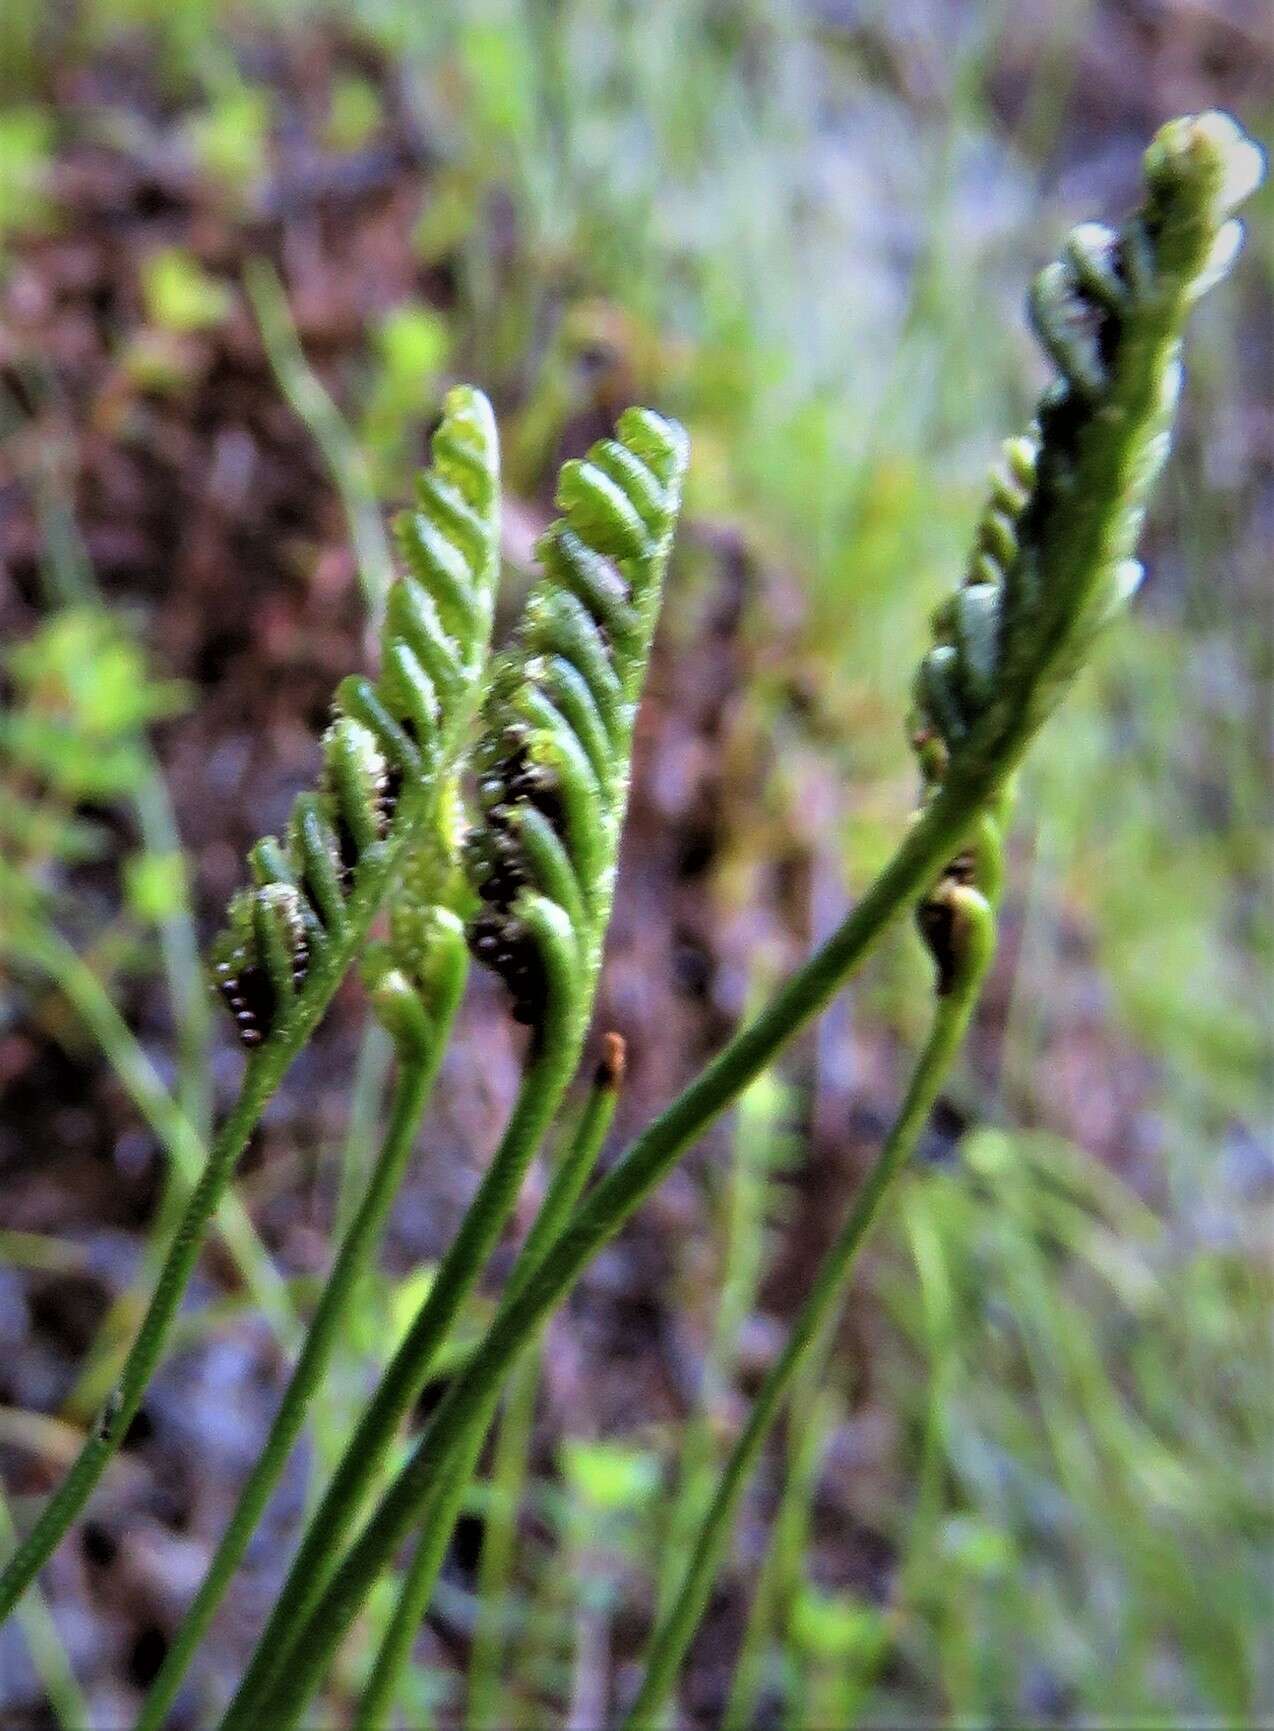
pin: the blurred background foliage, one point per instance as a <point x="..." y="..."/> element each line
<point x="1032" y="1479"/>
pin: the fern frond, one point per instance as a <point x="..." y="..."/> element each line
<point x="1054" y="553"/>
<point x="553" y="762"/>
<point x="389" y="756"/>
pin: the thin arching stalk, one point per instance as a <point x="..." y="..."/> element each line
<point x="69" y="580"/>
<point x="574" y="1169"/>
<point x="417" y="1587"/>
<point x="741" y="1261"/>
<point x="345" y="459"/>
<point x="49" y="1657"/>
<point x="406" y="1375"/>
<point x="510" y="1464"/>
<point x="951" y="1018"/>
<point x="418" y="1063"/>
<point x="143" y="1359"/>
<point x="771" y="1605"/>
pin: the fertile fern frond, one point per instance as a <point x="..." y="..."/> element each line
<point x="389" y="755"/>
<point x="1054" y="552"/>
<point x="553" y="761"/>
<point x="1053" y="555"/>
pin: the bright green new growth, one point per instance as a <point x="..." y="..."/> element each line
<point x="1057" y="567"/>
<point x="291" y="939"/>
<point x="389" y="757"/>
<point x="1054" y="555"/>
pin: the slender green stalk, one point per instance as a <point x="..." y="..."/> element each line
<point x="951" y="1018"/>
<point x="367" y="1098"/>
<point x="510" y="1467"/>
<point x="485" y="1702"/>
<point x="143" y="1359"/>
<point x="406" y="1375"/>
<point x="741" y="1261"/>
<point x="780" y="1571"/>
<point x="335" y="1411"/>
<point x="48" y="1654"/>
<point x="418" y="1063"/>
<point x="71" y="974"/>
<point x="69" y="580"/>
<point x="575" y="1167"/>
<point x="179" y="948"/>
<point x="341" y="451"/>
<point x="44" y="1253"/>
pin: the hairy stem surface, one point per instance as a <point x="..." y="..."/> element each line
<point x="148" y="1348"/>
<point x="413" y="1086"/>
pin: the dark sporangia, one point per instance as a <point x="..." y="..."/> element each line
<point x="552" y="764"/>
<point x="391" y="746"/>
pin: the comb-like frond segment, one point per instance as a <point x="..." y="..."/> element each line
<point x="1053" y="557"/>
<point x="553" y="761"/>
<point x="1053" y="554"/>
<point x="389" y="756"/>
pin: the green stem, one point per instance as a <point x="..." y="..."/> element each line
<point x="417" y="1072"/>
<point x="69" y="580"/>
<point x="395" y="1651"/>
<point x="367" y="1099"/>
<point x="73" y="977"/>
<point x="48" y="1654"/>
<point x="741" y="1261"/>
<point x="509" y="1465"/>
<point x="542" y="1088"/>
<point x="143" y="1360"/>
<point x="429" y="1489"/>
<point x="780" y="1571"/>
<point x="344" y="1387"/>
<point x="672" y="1638"/>
<point x="179" y="948"/>
<point x="573" y="1170"/>
<point x="264" y="1071"/>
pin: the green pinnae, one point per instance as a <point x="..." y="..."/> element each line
<point x="552" y="762"/>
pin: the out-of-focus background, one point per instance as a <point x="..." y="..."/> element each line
<point x="1031" y="1478"/>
